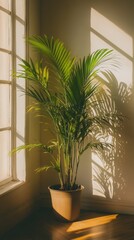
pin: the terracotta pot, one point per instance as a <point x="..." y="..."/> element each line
<point x="66" y="204"/>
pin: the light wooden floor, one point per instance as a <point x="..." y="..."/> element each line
<point x="93" y="226"/>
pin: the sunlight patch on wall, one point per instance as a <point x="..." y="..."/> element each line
<point x="102" y="177"/>
<point x="110" y="31"/>
<point x="105" y="34"/>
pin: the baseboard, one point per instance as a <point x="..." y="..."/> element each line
<point x="96" y="204"/>
<point x="107" y="205"/>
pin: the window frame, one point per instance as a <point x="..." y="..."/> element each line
<point x="13" y="85"/>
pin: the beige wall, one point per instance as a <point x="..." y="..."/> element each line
<point x="18" y="203"/>
<point x="87" y="25"/>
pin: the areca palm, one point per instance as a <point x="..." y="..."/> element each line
<point x="70" y="105"/>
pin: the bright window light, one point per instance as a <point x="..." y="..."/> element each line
<point x="12" y="101"/>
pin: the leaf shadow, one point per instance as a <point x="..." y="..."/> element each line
<point x="109" y="177"/>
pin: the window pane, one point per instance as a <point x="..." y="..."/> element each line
<point x="20" y="163"/>
<point x="5" y="36"/>
<point x="20" y="81"/>
<point x="5" y="105"/>
<point x="5" y="163"/>
<point x="20" y="40"/>
<point x="5" y="66"/>
<point x="20" y="9"/>
<point x="20" y="113"/>
<point x="5" y="4"/>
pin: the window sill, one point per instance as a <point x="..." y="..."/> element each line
<point x="4" y="189"/>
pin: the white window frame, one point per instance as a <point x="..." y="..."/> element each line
<point x="14" y="170"/>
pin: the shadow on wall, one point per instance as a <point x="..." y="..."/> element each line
<point x="111" y="26"/>
<point x="109" y="179"/>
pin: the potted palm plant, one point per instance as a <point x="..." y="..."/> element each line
<point x="65" y="90"/>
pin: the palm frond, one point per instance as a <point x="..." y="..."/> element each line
<point x="96" y="145"/>
<point x="42" y="169"/>
<point x="29" y="147"/>
<point x="57" y="54"/>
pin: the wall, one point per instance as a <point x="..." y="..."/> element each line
<point x="75" y="22"/>
<point x="85" y="26"/>
<point x="19" y="202"/>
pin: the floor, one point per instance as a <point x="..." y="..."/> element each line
<point x="42" y="225"/>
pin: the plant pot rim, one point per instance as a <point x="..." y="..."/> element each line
<point x="53" y="187"/>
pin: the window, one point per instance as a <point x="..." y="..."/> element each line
<point x="12" y="101"/>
